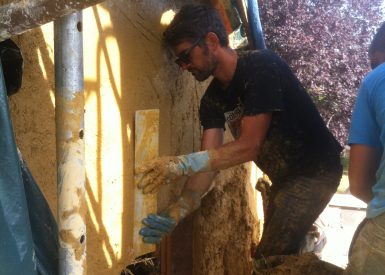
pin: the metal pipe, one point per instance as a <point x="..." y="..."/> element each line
<point x="20" y="15"/>
<point x="255" y="24"/>
<point x="69" y="101"/>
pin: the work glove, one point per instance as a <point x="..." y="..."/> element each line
<point x="165" y="169"/>
<point x="159" y="225"/>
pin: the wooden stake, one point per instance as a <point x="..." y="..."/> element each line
<point x="146" y="148"/>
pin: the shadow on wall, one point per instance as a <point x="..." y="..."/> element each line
<point x="124" y="83"/>
<point x="102" y="256"/>
<point x="33" y="117"/>
<point x="124" y="71"/>
<point x="32" y="112"/>
<point x="130" y="74"/>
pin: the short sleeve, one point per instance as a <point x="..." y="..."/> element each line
<point x="210" y="114"/>
<point x="364" y="128"/>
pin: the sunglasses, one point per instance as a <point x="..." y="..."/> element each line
<point x="184" y="57"/>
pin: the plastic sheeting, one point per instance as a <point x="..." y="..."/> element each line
<point x="12" y="65"/>
<point x="28" y="231"/>
<point x="43" y="225"/>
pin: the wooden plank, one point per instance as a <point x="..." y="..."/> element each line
<point x="165" y="256"/>
<point x="347" y="201"/>
<point x="20" y="16"/>
<point x="146" y="148"/>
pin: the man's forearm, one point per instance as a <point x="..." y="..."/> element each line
<point x="364" y="195"/>
<point x="158" y="225"/>
<point x="253" y="131"/>
<point x="215" y="159"/>
<point x="364" y="162"/>
<point x="232" y="153"/>
<point x="200" y="183"/>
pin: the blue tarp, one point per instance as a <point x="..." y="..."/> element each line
<point x="28" y="231"/>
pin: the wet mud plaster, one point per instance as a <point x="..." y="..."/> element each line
<point x="71" y="179"/>
<point x="70" y="239"/>
<point x="124" y="36"/>
<point x="227" y="228"/>
<point x="19" y="16"/>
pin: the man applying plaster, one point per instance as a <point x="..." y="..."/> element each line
<point x="274" y="123"/>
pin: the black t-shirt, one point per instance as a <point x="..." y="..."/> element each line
<point x="298" y="141"/>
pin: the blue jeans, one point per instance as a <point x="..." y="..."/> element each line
<point x="367" y="251"/>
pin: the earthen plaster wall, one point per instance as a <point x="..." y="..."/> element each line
<point x="126" y="70"/>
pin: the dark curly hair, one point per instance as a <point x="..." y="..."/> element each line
<point x="192" y="22"/>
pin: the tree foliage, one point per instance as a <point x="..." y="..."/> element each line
<point x="326" y="43"/>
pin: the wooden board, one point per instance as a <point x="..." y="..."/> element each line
<point x="146" y="148"/>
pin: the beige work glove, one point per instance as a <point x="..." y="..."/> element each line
<point x="166" y="169"/>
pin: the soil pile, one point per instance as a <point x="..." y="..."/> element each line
<point x="298" y="265"/>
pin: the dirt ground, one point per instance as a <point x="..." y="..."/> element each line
<point x="298" y="265"/>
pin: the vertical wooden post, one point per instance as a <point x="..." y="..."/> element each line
<point x="146" y="148"/>
<point x="19" y="16"/>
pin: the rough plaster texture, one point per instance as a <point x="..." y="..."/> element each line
<point x="5" y="2"/>
<point x="126" y="70"/>
<point x="20" y="16"/>
<point x="227" y="226"/>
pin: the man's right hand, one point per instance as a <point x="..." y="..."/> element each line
<point x="156" y="172"/>
<point x="165" y="169"/>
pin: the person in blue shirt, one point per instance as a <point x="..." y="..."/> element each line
<point x="367" y="164"/>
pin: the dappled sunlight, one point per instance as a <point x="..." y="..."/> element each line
<point x="48" y="54"/>
<point x="167" y="17"/>
<point x="123" y="72"/>
<point x="255" y="174"/>
<point x="97" y="235"/>
<point x="43" y="70"/>
<point x="107" y="254"/>
<point x="103" y="136"/>
<point x="110" y="68"/>
<point x="91" y="213"/>
<point x="109" y="147"/>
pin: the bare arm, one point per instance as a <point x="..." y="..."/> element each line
<point x="253" y="132"/>
<point x="246" y="148"/>
<point x="213" y="157"/>
<point x="363" y="164"/>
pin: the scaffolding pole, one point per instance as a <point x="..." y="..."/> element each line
<point x="69" y="102"/>
<point x="255" y="26"/>
<point x="20" y="16"/>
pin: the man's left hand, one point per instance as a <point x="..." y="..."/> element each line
<point x="156" y="227"/>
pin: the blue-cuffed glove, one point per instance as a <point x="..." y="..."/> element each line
<point x="157" y="226"/>
<point x="164" y="169"/>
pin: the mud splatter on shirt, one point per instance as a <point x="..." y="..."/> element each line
<point x="298" y="141"/>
